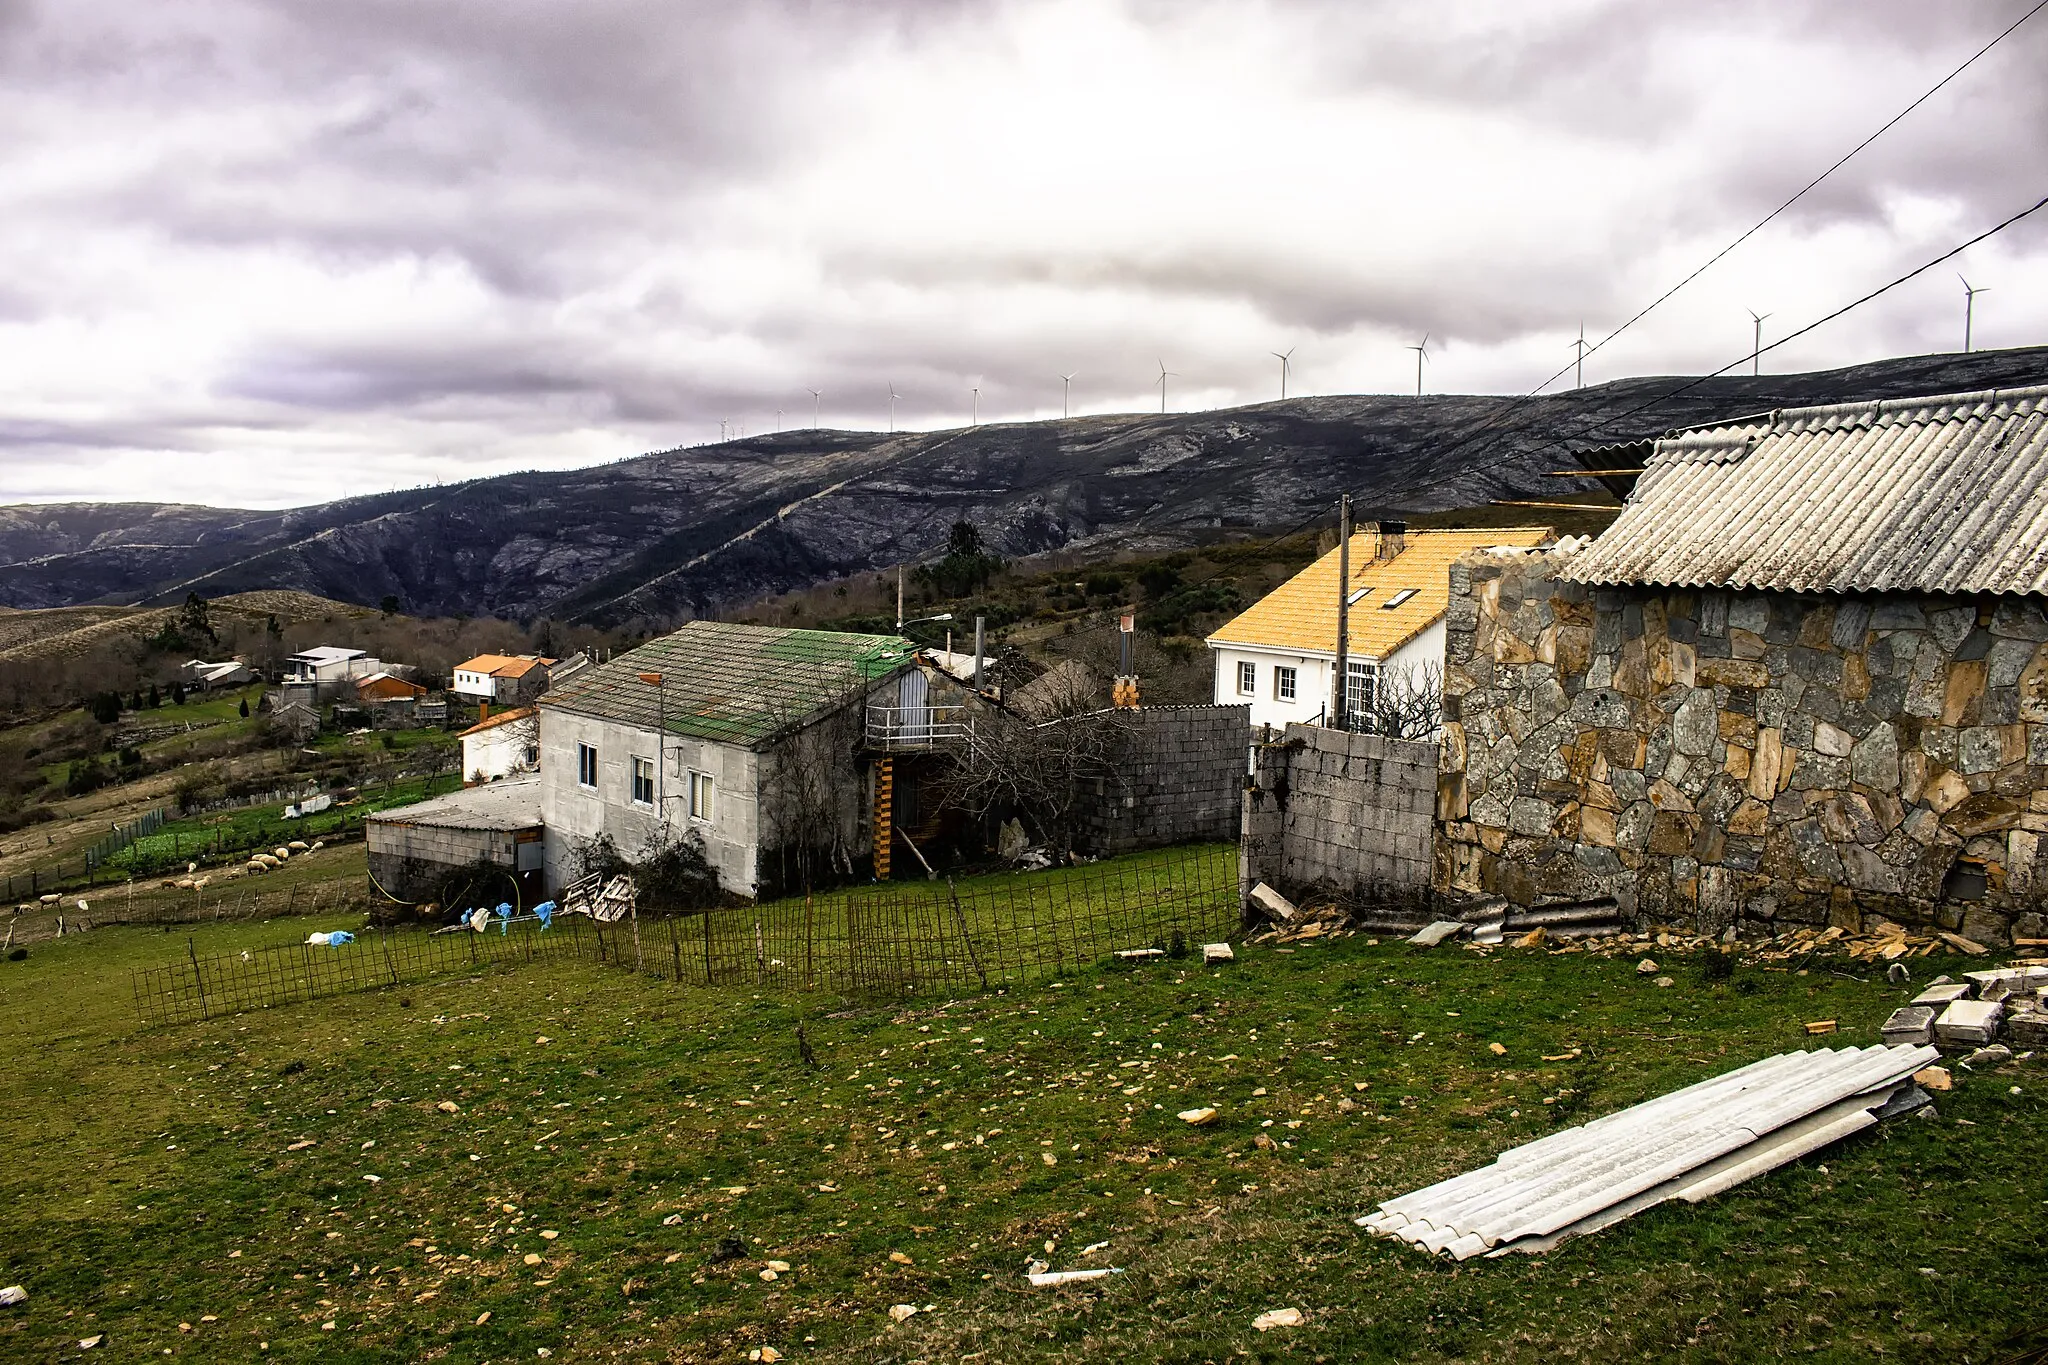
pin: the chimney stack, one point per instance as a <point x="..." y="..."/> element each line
<point x="1391" y="540"/>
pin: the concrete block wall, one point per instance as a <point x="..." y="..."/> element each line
<point x="1334" y="812"/>
<point x="1179" y="782"/>
<point x="408" y="861"/>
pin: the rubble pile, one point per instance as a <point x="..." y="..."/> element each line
<point x="2004" y="1003"/>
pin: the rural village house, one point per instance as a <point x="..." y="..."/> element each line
<point x="501" y="745"/>
<point x="325" y="671"/>
<point x="1803" y="677"/>
<point x="502" y="679"/>
<point x="205" y="676"/>
<point x="747" y="737"/>
<point x="1279" y="656"/>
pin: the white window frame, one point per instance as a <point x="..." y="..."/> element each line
<point x="1286" y="683"/>
<point x="1247" y="678"/>
<point x="642" y="765"/>
<point x="1361" y="690"/>
<point x="586" y="766"/>
<point x="703" y="796"/>
<point x="1398" y="598"/>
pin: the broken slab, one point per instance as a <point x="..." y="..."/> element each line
<point x="1432" y="934"/>
<point x="2028" y="1028"/>
<point x="1910" y="1024"/>
<point x="1946" y="993"/>
<point x="1275" y="906"/>
<point x="1998" y="1054"/>
<point x="1140" y="954"/>
<point x="1217" y="952"/>
<point x="1969" y="1021"/>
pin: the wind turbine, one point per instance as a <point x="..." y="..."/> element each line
<point x="814" y="407"/>
<point x="974" y="413"/>
<point x="1066" y="391"/>
<point x="1970" y="308"/>
<point x="1421" y="354"/>
<point x="1579" y="376"/>
<point x="892" y="405"/>
<point x="721" y="430"/>
<point x="778" y="421"/>
<point x="1163" y="373"/>
<point x="1756" y="348"/>
<point x="1284" y="358"/>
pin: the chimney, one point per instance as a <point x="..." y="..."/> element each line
<point x="1391" y="540"/>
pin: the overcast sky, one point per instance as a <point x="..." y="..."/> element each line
<point x="273" y="252"/>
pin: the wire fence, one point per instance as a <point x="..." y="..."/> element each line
<point x="892" y="940"/>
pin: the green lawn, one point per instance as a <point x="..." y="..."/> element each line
<point x="264" y="826"/>
<point x="205" y="1190"/>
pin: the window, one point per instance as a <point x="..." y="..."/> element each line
<point x="700" y="796"/>
<point x="586" y="766"/>
<point x="1357" y="596"/>
<point x="1247" y="679"/>
<point x="643" y="781"/>
<point x="1398" y="598"/>
<point x="1283" y="684"/>
<point x="1361" y="693"/>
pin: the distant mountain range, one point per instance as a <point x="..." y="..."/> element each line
<point x="678" y="533"/>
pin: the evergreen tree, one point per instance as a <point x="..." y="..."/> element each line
<point x="155" y="697"/>
<point x="245" y="708"/>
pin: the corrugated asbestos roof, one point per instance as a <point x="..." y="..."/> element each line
<point x="1938" y="494"/>
<point x="734" y="684"/>
<point x="1686" y="1145"/>
<point x="1301" y="614"/>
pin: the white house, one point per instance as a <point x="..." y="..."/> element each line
<point x="326" y="664"/>
<point x="1280" y="654"/>
<point x="749" y="738"/>
<point x="207" y="676"/>
<point x="506" y="679"/>
<point x="501" y="745"/>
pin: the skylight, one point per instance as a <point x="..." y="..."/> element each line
<point x="1398" y="598"/>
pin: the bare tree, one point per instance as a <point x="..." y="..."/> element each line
<point x="806" y="779"/>
<point x="1044" y="769"/>
<point x="1408" y="703"/>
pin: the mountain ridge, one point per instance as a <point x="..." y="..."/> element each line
<point x="671" y="534"/>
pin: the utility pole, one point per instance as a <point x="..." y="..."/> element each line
<point x="899" y="599"/>
<point x="1340" y="691"/>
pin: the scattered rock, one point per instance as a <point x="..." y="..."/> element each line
<point x="12" y="1296"/>
<point x="449" y="1107"/>
<point x="1647" y="967"/>
<point x="88" y="1343"/>
<point x="1934" y="1078"/>
<point x="1820" y="1026"/>
<point x="779" y="1267"/>
<point x="1199" y="1118"/>
<point x="1497" y="1049"/>
<point x="1432" y="934"/>
<point x="1996" y="1055"/>
<point x="899" y="1258"/>
<point x="1278" y="1317"/>
<point x="902" y="1312"/>
<point x="1663" y="981"/>
<point x="531" y="1258"/>
<point x="728" y="1249"/>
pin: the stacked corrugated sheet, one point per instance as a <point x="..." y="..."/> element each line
<point x="1686" y="1145"/>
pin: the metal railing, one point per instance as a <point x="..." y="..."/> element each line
<point x="917" y="727"/>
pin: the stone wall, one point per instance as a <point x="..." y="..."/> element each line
<point x="1745" y="758"/>
<point x="1179" y="782"/>
<point x="1328" y="811"/>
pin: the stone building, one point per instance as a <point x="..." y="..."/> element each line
<point x="1804" y="677"/>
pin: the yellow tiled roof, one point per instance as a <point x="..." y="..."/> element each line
<point x="1301" y="613"/>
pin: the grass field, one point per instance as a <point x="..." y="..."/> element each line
<point x="288" y="1185"/>
<point x="263" y="826"/>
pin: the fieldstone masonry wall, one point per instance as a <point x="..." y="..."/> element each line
<point x="1745" y="758"/>
<point x="1339" y="812"/>
<point x="1179" y="782"/>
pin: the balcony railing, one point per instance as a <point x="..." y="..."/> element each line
<point x="916" y="727"/>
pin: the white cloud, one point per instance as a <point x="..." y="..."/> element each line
<point x="266" y="255"/>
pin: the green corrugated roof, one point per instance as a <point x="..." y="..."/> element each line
<point x="734" y="684"/>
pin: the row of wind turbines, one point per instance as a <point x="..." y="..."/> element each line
<point x="1420" y="348"/>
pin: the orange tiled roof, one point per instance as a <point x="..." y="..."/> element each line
<point x="1301" y="614"/>
<point x="499" y="665"/>
<point x="502" y="718"/>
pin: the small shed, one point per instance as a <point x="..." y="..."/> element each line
<point x="415" y="851"/>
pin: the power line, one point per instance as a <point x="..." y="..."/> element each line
<point x="1804" y="190"/>
<point x="1494" y="421"/>
<point x="1661" y="399"/>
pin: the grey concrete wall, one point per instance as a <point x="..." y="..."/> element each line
<point x="573" y="815"/>
<point x="408" y="861"/>
<point x="1180" y="781"/>
<point x="1746" y="759"/>
<point x="1343" y="813"/>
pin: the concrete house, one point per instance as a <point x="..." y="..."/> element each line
<point x="1280" y="655"/>
<point x="1802" y="679"/>
<point x="502" y="679"/>
<point x="205" y="676"/>
<point x="749" y="737"/>
<point x="501" y="745"/>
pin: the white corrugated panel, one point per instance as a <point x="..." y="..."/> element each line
<point x="1943" y="494"/>
<point x="1688" y="1144"/>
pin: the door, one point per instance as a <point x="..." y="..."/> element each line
<point x="914" y="712"/>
